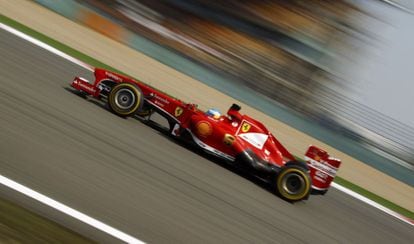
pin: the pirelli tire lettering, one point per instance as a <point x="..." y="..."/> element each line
<point x="125" y="99"/>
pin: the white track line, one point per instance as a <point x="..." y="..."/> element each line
<point x="372" y="203"/>
<point x="42" y="198"/>
<point x="87" y="66"/>
<point x="45" y="46"/>
<point x="68" y="210"/>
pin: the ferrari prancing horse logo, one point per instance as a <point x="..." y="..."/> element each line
<point x="245" y="127"/>
<point x="178" y="111"/>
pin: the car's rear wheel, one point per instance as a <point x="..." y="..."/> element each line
<point x="125" y="99"/>
<point x="293" y="183"/>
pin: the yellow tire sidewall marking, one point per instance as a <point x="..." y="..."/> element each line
<point x="280" y="187"/>
<point x="135" y="91"/>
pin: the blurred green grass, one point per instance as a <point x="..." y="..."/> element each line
<point x="96" y="63"/>
<point x="384" y="202"/>
<point x="18" y="225"/>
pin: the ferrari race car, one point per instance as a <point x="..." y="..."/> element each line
<point x="239" y="139"/>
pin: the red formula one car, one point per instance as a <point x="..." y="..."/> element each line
<point x="237" y="138"/>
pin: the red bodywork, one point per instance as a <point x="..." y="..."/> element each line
<point x="228" y="136"/>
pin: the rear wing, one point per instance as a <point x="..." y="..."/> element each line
<point x="322" y="167"/>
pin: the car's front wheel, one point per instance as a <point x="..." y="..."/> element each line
<point x="125" y="99"/>
<point x="293" y="183"/>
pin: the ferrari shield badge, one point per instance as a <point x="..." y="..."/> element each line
<point x="178" y="111"/>
<point x="245" y="127"/>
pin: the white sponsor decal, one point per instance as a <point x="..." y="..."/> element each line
<point x="115" y="77"/>
<point x="255" y="139"/>
<point x="160" y="108"/>
<point x="175" y="128"/>
<point x="159" y="103"/>
<point x="161" y="99"/>
<point x="322" y="166"/>
<point x="86" y="87"/>
<point x="320" y="176"/>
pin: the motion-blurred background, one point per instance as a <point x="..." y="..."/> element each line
<point x="341" y="64"/>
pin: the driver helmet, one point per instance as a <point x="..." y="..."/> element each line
<point x="214" y="113"/>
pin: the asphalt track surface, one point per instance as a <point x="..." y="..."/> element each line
<point x="136" y="179"/>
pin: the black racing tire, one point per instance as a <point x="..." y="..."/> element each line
<point x="293" y="183"/>
<point x="125" y="99"/>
